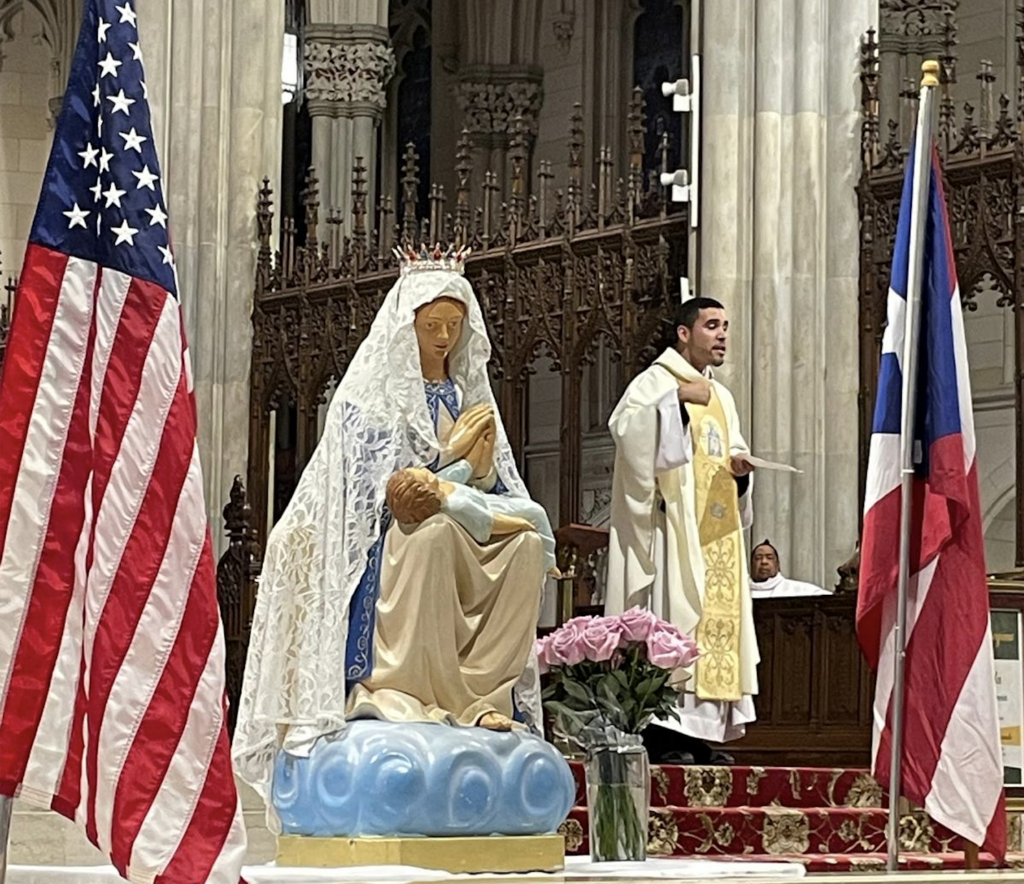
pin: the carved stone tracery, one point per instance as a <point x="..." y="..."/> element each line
<point x="491" y="108"/>
<point x="347" y="69"/>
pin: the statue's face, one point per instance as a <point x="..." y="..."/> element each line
<point x="438" y="328"/>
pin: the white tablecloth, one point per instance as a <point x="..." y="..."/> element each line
<point x="695" y="870"/>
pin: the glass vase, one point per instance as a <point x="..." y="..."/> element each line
<point x="618" y="801"/>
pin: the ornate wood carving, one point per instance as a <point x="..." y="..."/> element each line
<point x="5" y="315"/>
<point x="236" y="590"/>
<point x="983" y="160"/>
<point x="814" y="705"/>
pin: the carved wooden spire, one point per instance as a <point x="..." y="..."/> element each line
<point x="359" y="194"/>
<point x="264" y="229"/>
<point x="311" y="201"/>
<point x="574" y="187"/>
<point x="463" y="174"/>
<point x="410" y="189"/>
<point x="517" y="160"/>
<point x="870" y="127"/>
<point x="635" y="131"/>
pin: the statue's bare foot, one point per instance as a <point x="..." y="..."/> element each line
<point x="495" y="721"/>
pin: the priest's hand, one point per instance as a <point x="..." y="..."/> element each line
<point x="696" y="391"/>
<point x="741" y="466"/>
<point x="471" y="426"/>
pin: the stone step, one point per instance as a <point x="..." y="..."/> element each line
<point x="713" y="786"/>
<point x="42" y="837"/>
<point x="736" y="831"/>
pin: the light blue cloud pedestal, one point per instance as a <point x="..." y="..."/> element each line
<point x="401" y="782"/>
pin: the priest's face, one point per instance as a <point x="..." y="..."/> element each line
<point x="764" y="564"/>
<point x="438" y="328"/>
<point x="705" y="343"/>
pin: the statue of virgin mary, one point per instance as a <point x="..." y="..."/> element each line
<point x="403" y="581"/>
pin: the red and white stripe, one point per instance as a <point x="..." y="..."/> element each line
<point x="951" y="762"/>
<point x="111" y="649"/>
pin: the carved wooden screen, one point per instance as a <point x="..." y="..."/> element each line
<point x="5" y="315"/>
<point x="557" y="271"/>
<point x="983" y="160"/>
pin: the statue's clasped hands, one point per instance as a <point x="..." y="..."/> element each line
<point x="472" y="439"/>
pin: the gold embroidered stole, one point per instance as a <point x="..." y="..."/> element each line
<point x="717" y="674"/>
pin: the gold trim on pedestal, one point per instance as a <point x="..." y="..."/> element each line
<point x="498" y="853"/>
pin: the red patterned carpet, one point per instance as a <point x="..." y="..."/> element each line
<point x="830" y="820"/>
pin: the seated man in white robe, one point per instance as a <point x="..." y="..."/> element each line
<point x="767" y="580"/>
<point x="680" y="502"/>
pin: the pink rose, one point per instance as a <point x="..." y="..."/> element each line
<point x="600" y="638"/>
<point x="668" y="648"/>
<point x="543" y="647"/>
<point x="637" y="624"/>
<point x="564" y="648"/>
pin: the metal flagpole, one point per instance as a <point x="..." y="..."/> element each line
<point x="911" y="327"/>
<point x="5" y="827"/>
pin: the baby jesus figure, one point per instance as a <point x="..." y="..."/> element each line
<point x="416" y="494"/>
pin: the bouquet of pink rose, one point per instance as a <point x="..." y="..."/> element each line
<point x="609" y="677"/>
<point x="613" y="673"/>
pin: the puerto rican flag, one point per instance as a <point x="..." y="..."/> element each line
<point x="951" y="757"/>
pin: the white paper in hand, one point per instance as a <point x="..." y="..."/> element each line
<point x="761" y="464"/>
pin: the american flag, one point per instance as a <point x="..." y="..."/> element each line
<point x="112" y="704"/>
<point x="951" y="759"/>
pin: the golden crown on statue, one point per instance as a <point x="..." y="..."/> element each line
<point x="451" y="259"/>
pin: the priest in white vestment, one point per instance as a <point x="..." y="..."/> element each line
<point x="680" y="502"/>
<point x="767" y="580"/>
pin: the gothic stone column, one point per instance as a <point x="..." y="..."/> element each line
<point x="214" y="78"/>
<point x="347" y="68"/>
<point x="779" y="241"/>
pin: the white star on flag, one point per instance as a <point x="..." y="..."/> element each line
<point x="97" y="190"/>
<point x="113" y="195"/>
<point x="127" y="14"/>
<point x="132" y="140"/>
<point x="105" y="157"/>
<point x="96" y="96"/>
<point x="146" y="179"/>
<point x="102" y="31"/>
<point x="88" y="156"/>
<point x="109" y="66"/>
<point x="157" y="216"/>
<point x="136" y="51"/>
<point x="166" y="252"/>
<point x="124" y="233"/>
<point x="76" y="217"/>
<point x="120" y="102"/>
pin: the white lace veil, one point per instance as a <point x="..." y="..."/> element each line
<point x="378" y="422"/>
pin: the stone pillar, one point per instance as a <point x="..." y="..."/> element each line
<point x="347" y="68"/>
<point x="779" y="246"/>
<point x="213" y="73"/>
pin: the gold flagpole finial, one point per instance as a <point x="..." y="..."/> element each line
<point x="929" y="73"/>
